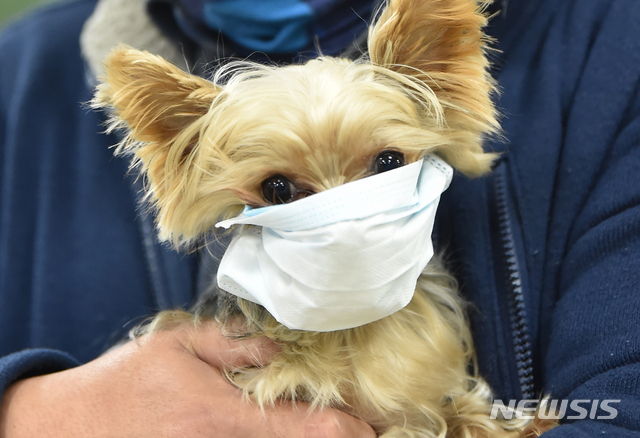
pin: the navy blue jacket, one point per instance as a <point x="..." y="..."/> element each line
<point x="547" y="248"/>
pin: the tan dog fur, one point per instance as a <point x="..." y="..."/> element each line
<point x="206" y="147"/>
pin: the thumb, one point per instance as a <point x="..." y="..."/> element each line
<point x="210" y="345"/>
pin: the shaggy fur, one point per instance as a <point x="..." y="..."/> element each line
<point x="206" y="147"/>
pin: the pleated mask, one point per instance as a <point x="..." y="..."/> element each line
<point x="340" y="258"/>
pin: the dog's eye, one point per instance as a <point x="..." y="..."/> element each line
<point x="388" y="160"/>
<point x="278" y="190"/>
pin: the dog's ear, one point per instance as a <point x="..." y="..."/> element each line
<point x="161" y="108"/>
<point x="153" y="98"/>
<point x="441" y="44"/>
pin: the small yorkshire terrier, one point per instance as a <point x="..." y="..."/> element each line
<point x="208" y="149"/>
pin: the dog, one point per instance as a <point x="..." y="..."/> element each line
<point x="208" y="149"/>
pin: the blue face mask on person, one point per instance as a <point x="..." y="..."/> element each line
<point x="274" y="26"/>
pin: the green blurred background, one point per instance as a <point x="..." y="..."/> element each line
<point x="12" y="9"/>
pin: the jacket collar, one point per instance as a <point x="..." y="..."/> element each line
<point x="116" y="22"/>
<point x="128" y="22"/>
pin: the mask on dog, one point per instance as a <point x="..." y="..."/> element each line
<point x="343" y="257"/>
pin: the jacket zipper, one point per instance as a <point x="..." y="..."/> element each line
<point x="515" y="295"/>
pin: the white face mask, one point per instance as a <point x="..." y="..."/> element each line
<point x="341" y="258"/>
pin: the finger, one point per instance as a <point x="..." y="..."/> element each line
<point x="332" y="423"/>
<point x="287" y="419"/>
<point x="210" y="345"/>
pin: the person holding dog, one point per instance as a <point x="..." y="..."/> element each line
<point x="550" y="241"/>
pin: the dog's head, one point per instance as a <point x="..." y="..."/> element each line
<point x="258" y="135"/>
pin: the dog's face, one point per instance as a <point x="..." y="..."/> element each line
<point x="293" y="131"/>
<point x="261" y="135"/>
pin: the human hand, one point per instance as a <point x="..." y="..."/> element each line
<point x="166" y="384"/>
